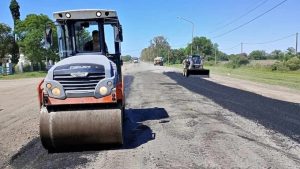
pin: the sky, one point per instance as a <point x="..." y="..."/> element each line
<point x="144" y="19"/>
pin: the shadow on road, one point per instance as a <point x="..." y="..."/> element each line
<point x="137" y="133"/>
<point x="33" y="155"/>
<point x="128" y="80"/>
<point x="280" y="116"/>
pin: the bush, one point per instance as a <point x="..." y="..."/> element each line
<point x="16" y="69"/>
<point x="210" y="63"/>
<point x="26" y="68"/>
<point x="279" y="66"/>
<point x="237" y="61"/>
<point x="126" y="58"/>
<point x="178" y="61"/>
<point x="258" y="55"/>
<point x="210" y="58"/>
<point x="293" y="63"/>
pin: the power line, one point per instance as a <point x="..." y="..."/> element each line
<point x="246" y="23"/>
<point x="272" y="41"/>
<point x="240" y="17"/>
<point x="179" y="46"/>
<point x="235" y="46"/>
<point x="134" y="50"/>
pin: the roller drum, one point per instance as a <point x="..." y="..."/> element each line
<point x="62" y="129"/>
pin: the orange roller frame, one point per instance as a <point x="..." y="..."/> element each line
<point x="83" y="100"/>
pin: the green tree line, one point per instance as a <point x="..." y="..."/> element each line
<point x="159" y="47"/>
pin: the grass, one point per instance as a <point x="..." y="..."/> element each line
<point x="289" y="79"/>
<point x="23" y="75"/>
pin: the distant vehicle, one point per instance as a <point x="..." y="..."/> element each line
<point x="158" y="61"/>
<point x="193" y="65"/>
<point x="135" y="60"/>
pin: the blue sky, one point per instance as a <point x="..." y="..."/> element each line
<point x="144" y="19"/>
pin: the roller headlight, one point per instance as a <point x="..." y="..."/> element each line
<point x="98" y="13"/>
<point x="56" y="91"/>
<point x="103" y="90"/>
<point x="68" y="15"/>
<point x="49" y="85"/>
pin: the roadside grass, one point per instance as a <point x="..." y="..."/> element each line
<point x="23" y="75"/>
<point x="290" y="79"/>
<point x="173" y="65"/>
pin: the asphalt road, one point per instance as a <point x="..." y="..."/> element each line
<point x="170" y="122"/>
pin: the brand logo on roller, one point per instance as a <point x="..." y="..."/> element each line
<point x="79" y="74"/>
<point x="80" y="67"/>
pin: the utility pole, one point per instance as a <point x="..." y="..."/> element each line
<point x="168" y="57"/>
<point x="242" y="48"/>
<point x="297" y="44"/>
<point x="215" y="56"/>
<point x="193" y="25"/>
<point x="192" y="39"/>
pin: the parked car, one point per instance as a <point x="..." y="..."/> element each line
<point x="135" y="60"/>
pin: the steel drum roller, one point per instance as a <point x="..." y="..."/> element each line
<point x="80" y="127"/>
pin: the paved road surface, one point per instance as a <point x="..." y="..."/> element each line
<point x="171" y="122"/>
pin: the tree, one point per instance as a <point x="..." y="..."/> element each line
<point x="291" y="51"/>
<point x="31" y="34"/>
<point x="14" y="51"/>
<point x="6" y="41"/>
<point x="15" y="10"/>
<point x="202" y="46"/>
<point x="222" y="56"/>
<point x="277" y="54"/>
<point x="126" y="58"/>
<point x="258" y="55"/>
<point x="159" y="47"/>
<point x="177" y="56"/>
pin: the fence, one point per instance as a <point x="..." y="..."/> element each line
<point x="7" y="70"/>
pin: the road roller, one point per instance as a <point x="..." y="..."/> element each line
<point x="81" y="98"/>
